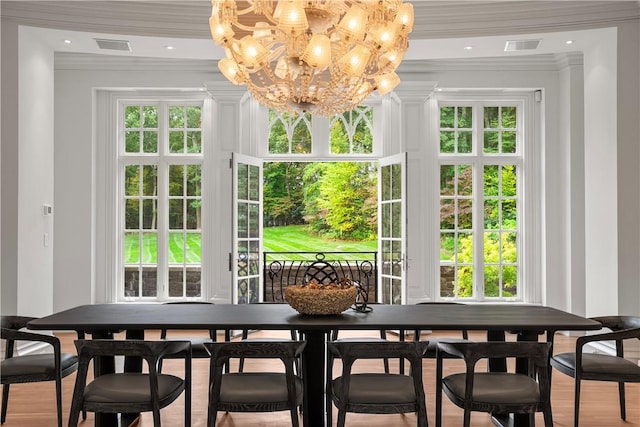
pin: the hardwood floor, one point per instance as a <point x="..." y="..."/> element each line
<point x="33" y="405"/>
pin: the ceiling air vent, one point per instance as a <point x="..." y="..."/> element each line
<point x="113" y="44"/>
<point x="514" y="45"/>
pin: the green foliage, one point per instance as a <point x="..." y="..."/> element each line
<point x="493" y="244"/>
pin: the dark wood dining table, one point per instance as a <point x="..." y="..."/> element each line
<point x="103" y="320"/>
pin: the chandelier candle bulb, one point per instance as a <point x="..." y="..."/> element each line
<point x="312" y="55"/>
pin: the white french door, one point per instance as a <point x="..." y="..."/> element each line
<point x="247" y="229"/>
<point x="392" y="229"/>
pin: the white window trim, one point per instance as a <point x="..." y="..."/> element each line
<point x="108" y="220"/>
<point x="530" y="209"/>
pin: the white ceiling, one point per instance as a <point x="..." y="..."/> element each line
<point x="442" y="30"/>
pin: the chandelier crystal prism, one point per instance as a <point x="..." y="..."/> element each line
<point x="318" y="56"/>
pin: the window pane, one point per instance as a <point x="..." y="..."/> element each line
<point x="509" y="180"/>
<point x="193" y="251"/>
<point x="149" y="217"/>
<point x="386" y="183"/>
<point x="132" y="180"/>
<point x="465" y="281"/>
<point x="465" y="180"/>
<point x="447" y="281"/>
<point x="243" y="219"/>
<point x="132" y="141"/>
<point x="510" y="281"/>
<point x="149" y="248"/>
<point x="132" y="116"/>
<point x="149" y="282"/>
<point x="491" y="184"/>
<point x="132" y="214"/>
<point x="508" y="142"/>
<point x="176" y="117"/>
<point x="150" y="114"/>
<point x="447" y="117"/>
<point x="492" y="281"/>
<point x="339" y="138"/>
<point x="447" y="180"/>
<point x="447" y="214"/>
<point x="254" y="183"/>
<point x="176" y="181"/>
<point x="447" y="246"/>
<point x="465" y="117"/>
<point x="194" y="285"/>
<point x="194" y="180"/>
<point x="396" y="221"/>
<point x="465" y="143"/>
<point x="194" y="142"/>
<point x="131" y="248"/>
<point x="491" y="118"/>
<point x="447" y="142"/>
<point x="176" y="210"/>
<point x="176" y="278"/>
<point x="465" y="213"/>
<point x="193" y="214"/>
<point x="491" y="214"/>
<point x="509" y="248"/>
<point x="176" y="141"/>
<point x="194" y="117"/>
<point x="176" y="248"/>
<point x="491" y="142"/>
<point x="131" y="282"/>
<point x="396" y="181"/>
<point x="243" y="181"/>
<point x="254" y="223"/>
<point x="150" y="141"/>
<point x="509" y="214"/>
<point x="149" y="180"/>
<point x="509" y="117"/>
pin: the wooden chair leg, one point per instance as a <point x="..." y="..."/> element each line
<point x="5" y="401"/>
<point x="576" y="403"/>
<point x="59" y="400"/>
<point x="623" y="409"/>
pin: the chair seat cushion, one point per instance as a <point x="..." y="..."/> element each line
<point x="129" y="388"/>
<point x="252" y="387"/>
<point x="496" y="388"/>
<point x="36" y="364"/>
<point x="600" y="364"/>
<point x="387" y="389"/>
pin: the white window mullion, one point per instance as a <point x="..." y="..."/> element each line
<point x="163" y="208"/>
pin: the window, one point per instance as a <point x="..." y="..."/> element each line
<point x="481" y="199"/>
<point x="160" y="163"/>
<point x="347" y="134"/>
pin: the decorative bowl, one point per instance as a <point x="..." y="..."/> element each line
<point x="316" y="299"/>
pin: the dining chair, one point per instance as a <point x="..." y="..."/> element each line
<point x="130" y="392"/>
<point x="602" y="367"/>
<point x="35" y="367"/>
<point x="376" y="392"/>
<point x="197" y="342"/>
<point x="495" y="392"/>
<point x="254" y="391"/>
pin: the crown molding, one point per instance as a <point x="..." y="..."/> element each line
<point x="433" y="19"/>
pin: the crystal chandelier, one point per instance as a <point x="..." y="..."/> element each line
<point x="318" y="56"/>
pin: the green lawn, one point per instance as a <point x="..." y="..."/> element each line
<point x="293" y="238"/>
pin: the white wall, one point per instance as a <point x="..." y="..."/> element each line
<point x="9" y="177"/>
<point x="35" y="176"/>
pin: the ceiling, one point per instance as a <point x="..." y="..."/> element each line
<point x="443" y="29"/>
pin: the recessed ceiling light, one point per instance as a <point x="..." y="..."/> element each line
<point x="438" y="89"/>
<point x="568" y="42"/>
<point x="169" y="47"/>
<point x="67" y="41"/>
<point x="468" y="47"/>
